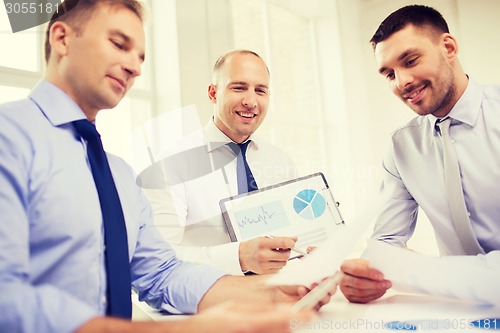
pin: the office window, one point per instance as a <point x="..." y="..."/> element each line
<point x="8" y="94"/>
<point x="19" y="50"/>
<point x="20" y="63"/>
<point x="285" y="39"/>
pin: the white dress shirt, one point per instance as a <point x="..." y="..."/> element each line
<point x="187" y="210"/>
<point x="414" y="174"/>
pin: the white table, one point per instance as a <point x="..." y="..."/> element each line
<point x="428" y="313"/>
<point x="436" y="314"/>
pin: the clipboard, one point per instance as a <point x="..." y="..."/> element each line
<point x="302" y="207"/>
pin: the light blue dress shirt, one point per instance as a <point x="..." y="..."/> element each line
<point x="52" y="274"/>
<point x="414" y="174"/>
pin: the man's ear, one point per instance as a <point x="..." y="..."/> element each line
<point x="212" y="93"/>
<point x="450" y="44"/>
<point x="60" y="36"/>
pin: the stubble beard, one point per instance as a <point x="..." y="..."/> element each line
<point x="442" y="98"/>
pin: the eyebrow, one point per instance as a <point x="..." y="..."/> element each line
<point x="127" y="40"/>
<point x="243" y="83"/>
<point x="401" y="57"/>
<point x="382" y="70"/>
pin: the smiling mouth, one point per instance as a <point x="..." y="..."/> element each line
<point x="245" y="114"/>
<point x="120" y="82"/>
<point x="415" y="95"/>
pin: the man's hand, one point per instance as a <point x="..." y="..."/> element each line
<point x="360" y="283"/>
<point x="256" y="289"/>
<point x="292" y="294"/>
<point x="264" y="255"/>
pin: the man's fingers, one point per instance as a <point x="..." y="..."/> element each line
<point x="361" y="296"/>
<point x="270" y="255"/>
<point x="361" y="283"/>
<point x="279" y="242"/>
<point x="364" y="283"/>
<point x="361" y="268"/>
<point x="302" y="291"/>
<point x="310" y="249"/>
<point x="361" y="290"/>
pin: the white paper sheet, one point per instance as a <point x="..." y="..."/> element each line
<point x="466" y="278"/>
<point x="326" y="260"/>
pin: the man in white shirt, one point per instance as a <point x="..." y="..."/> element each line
<point x="203" y="171"/>
<point x="417" y="55"/>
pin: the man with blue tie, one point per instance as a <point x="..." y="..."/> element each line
<point x="186" y="204"/>
<point x="76" y="233"/>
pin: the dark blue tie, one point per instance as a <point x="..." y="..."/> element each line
<point x="246" y="181"/>
<point x="115" y="232"/>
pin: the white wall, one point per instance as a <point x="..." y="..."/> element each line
<point x="203" y="32"/>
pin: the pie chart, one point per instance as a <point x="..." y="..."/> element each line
<point x="309" y="204"/>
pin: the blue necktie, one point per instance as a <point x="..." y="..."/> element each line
<point x="246" y="181"/>
<point x="115" y="232"/>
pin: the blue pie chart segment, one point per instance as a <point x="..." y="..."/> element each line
<point x="309" y="204"/>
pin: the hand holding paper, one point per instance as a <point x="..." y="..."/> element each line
<point x="325" y="260"/>
<point x="472" y="278"/>
<point x="361" y="282"/>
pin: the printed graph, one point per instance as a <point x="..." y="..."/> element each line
<point x="309" y="204"/>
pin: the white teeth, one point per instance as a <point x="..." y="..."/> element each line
<point x="246" y="114"/>
<point x="414" y="94"/>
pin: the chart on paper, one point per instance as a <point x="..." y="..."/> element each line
<point x="309" y="204"/>
<point x="303" y="207"/>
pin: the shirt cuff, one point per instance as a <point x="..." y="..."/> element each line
<point x="227" y="257"/>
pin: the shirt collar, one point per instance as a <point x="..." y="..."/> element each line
<point x="215" y="138"/>
<point x="467" y="108"/>
<point x="55" y="104"/>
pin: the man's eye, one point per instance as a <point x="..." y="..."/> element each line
<point x="261" y="91"/>
<point x="118" y="44"/>
<point x="389" y="76"/>
<point x="411" y="62"/>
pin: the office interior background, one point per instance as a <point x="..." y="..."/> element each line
<point x="330" y="109"/>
